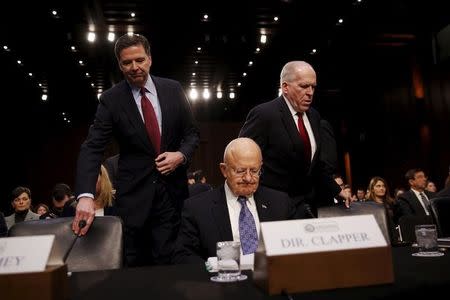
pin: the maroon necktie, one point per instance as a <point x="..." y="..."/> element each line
<point x="305" y="138"/>
<point x="151" y="123"/>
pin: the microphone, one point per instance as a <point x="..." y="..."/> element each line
<point x="81" y="225"/>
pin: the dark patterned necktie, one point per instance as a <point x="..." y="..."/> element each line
<point x="247" y="228"/>
<point x="151" y="123"/>
<point x="304" y="137"/>
<point x="425" y="202"/>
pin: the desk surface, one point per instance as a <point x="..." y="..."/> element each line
<point x="413" y="276"/>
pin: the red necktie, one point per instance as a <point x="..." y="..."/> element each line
<point x="151" y="123"/>
<point x="304" y="136"/>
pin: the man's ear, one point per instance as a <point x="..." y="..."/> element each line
<point x="223" y="169"/>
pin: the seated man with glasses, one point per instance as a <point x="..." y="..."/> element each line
<point x="238" y="206"/>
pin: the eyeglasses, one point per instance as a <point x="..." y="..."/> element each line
<point x="243" y="171"/>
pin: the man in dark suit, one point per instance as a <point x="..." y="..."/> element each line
<point x="215" y="216"/>
<point x="152" y="122"/>
<point x="288" y="131"/>
<point x="416" y="201"/>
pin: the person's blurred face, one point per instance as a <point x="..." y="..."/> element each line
<point x="419" y="182"/>
<point x="135" y="65"/>
<point x="360" y="194"/>
<point x="379" y="189"/>
<point x="21" y="203"/>
<point x="41" y="210"/>
<point x="431" y="187"/>
<point x="300" y="90"/>
<point x="242" y="173"/>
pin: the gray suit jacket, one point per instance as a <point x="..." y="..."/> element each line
<point x="11" y="220"/>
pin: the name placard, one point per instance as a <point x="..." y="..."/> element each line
<point x="25" y="254"/>
<point x="319" y="235"/>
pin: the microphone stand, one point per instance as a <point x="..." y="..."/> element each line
<point x="81" y="225"/>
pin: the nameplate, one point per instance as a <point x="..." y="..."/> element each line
<point x="320" y="235"/>
<point x="25" y="254"/>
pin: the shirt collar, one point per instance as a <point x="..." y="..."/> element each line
<point x="291" y="109"/>
<point x="149" y="86"/>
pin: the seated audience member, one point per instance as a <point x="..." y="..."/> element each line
<point x="240" y="204"/>
<point x="61" y="196"/>
<point x="200" y="184"/>
<point x="21" y="202"/>
<point x="103" y="200"/>
<point x="190" y="178"/>
<point x="361" y="194"/>
<point x="415" y="201"/>
<point x="431" y="187"/>
<point x="379" y="193"/>
<point x="41" y="209"/>
<point x="3" y="227"/>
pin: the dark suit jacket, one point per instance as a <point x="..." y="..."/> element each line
<point x="205" y="221"/>
<point x="408" y="204"/>
<point x="3" y="227"/>
<point x="271" y="125"/>
<point x="118" y="116"/>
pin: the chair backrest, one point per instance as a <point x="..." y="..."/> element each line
<point x="408" y="224"/>
<point x="100" y="249"/>
<point x="360" y="208"/>
<point x="440" y="210"/>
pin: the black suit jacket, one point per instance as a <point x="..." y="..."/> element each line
<point x="272" y="126"/>
<point x="118" y="116"/>
<point x="205" y="221"/>
<point x="408" y="204"/>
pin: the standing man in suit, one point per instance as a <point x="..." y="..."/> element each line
<point x="288" y="131"/>
<point x="152" y="122"/>
<point x="416" y="201"/>
<point x="219" y="214"/>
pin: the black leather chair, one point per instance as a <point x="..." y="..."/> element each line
<point x="440" y="210"/>
<point x="360" y="208"/>
<point x="408" y="224"/>
<point x="100" y="249"/>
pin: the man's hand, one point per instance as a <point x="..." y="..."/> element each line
<point x="167" y="162"/>
<point x="86" y="212"/>
<point x="347" y="196"/>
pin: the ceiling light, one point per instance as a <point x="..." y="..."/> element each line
<point x="132" y="14"/>
<point x="19" y="62"/>
<point x="239" y="84"/>
<point x="40" y="84"/>
<point x="341" y="21"/>
<point x="44" y="97"/>
<point x="206" y="94"/>
<point x="91" y="36"/>
<point x="54" y="12"/>
<point x="258" y="49"/>
<point x="111" y="36"/>
<point x="193" y="94"/>
<point x="73" y="48"/>
<point x="130" y="32"/>
<point x="232" y="95"/>
<point x="199" y="48"/>
<point x="87" y="74"/>
<point x="80" y="62"/>
<point x="275" y="19"/>
<point x="92" y="84"/>
<point x="219" y="95"/>
<point x="263" y="39"/>
<point x="98" y="95"/>
<point x="196" y="62"/>
<point x="193" y="74"/>
<point x="250" y="63"/>
<point x="205" y="17"/>
<point x="5" y="48"/>
<point x="244" y="74"/>
<point x="30" y="74"/>
<point x="63" y="113"/>
<point x="314" y="51"/>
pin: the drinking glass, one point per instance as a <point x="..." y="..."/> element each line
<point x="426" y="236"/>
<point x="228" y="262"/>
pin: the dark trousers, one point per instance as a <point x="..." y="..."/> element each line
<point x="153" y="242"/>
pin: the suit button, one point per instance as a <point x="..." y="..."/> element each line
<point x="154" y="181"/>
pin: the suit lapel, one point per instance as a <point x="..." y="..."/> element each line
<point x="130" y="108"/>
<point x="262" y="206"/>
<point x="164" y="103"/>
<point x="219" y="210"/>
<point x="289" y="124"/>
<point x="314" y="121"/>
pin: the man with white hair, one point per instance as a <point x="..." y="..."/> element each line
<point x="232" y="211"/>
<point x="288" y="131"/>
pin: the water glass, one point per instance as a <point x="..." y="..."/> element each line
<point x="228" y="262"/>
<point x="426" y="236"/>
